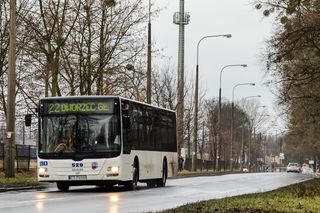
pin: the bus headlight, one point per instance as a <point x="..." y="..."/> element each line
<point x="113" y="170"/>
<point x="43" y="172"/>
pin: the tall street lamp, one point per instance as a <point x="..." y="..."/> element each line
<point x="232" y="121"/>
<point x="195" y="130"/>
<point x="149" y="58"/>
<point x="219" y="111"/>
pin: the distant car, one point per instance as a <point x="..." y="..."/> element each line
<point x="245" y="169"/>
<point x="293" y="167"/>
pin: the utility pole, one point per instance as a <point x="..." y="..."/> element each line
<point x="250" y="143"/>
<point x="219" y="130"/>
<point x="149" y="59"/>
<point x="180" y="18"/>
<point x="10" y="134"/>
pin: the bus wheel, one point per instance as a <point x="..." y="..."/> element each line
<point x="163" y="180"/>
<point x="63" y="186"/>
<point x="133" y="184"/>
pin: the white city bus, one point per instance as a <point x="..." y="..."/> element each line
<point x="104" y="141"/>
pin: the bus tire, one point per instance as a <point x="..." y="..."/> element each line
<point x="133" y="184"/>
<point x="63" y="186"/>
<point x="163" y="180"/>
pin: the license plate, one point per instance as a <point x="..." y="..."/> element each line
<point x="77" y="177"/>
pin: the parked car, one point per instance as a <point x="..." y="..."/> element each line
<point x="293" y="167"/>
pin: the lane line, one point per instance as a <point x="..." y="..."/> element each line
<point x="40" y="200"/>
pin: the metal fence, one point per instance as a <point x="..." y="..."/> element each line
<point x="209" y="165"/>
<point x="24" y="155"/>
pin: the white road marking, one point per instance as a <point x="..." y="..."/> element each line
<point x="40" y="200"/>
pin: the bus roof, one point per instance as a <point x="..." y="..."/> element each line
<point x="100" y="96"/>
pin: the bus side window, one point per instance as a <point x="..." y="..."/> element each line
<point x="126" y="121"/>
<point x="126" y="126"/>
<point x="125" y="115"/>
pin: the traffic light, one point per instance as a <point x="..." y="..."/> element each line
<point x="27" y="119"/>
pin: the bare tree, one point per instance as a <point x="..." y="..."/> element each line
<point x="164" y="92"/>
<point x="22" y="74"/>
<point x="256" y="117"/>
<point x="4" y="45"/>
<point x="211" y="107"/>
<point x="50" y="23"/>
<point x="104" y="40"/>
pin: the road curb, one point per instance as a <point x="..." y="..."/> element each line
<point x="23" y="188"/>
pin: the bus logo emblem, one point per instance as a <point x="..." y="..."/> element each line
<point x="94" y="165"/>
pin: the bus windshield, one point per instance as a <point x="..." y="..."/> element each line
<point x="68" y="134"/>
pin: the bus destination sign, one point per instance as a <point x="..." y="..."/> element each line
<point x="79" y="107"/>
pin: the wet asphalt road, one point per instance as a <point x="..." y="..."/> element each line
<point x="177" y="192"/>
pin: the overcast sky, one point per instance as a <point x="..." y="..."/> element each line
<point x="210" y="17"/>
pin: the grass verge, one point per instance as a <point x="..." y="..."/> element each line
<point x="22" y="178"/>
<point x="301" y="197"/>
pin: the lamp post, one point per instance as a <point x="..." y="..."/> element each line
<point x="195" y="130"/>
<point x="219" y="111"/>
<point x="149" y="59"/>
<point x="232" y="121"/>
